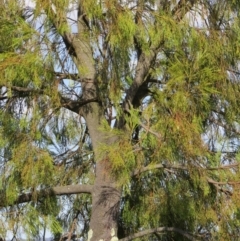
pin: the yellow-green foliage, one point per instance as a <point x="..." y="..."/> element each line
<point x="177" y="113"/>
<point x="29" y="168"/>
<point x="56" y="11"/>
<point x="93" y="9"/>
<point x="176" y="172"/>
<point x="123" y="29"/>
<point x="20" y="62"/>
<point x="121" y="160"/>
<point x="33" y="221"/>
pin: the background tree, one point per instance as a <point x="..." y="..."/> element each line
<point x="119" y="120"/>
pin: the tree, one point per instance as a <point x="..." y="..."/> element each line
<point x="119" y="120"/>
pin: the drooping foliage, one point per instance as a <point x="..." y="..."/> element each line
<point x="165" y="80"/>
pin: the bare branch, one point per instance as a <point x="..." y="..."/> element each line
<point x="24" y="89"/>
<point x="156" y="166"/>
<point x="224" y="167"/>
<point x="61" y="76"/>
<point x="146" y="128"/>
<point x="159" y="166"/>
<point x="218" y="186"/>
<point x="58" y="191"/>
<point x="19" y="92"/>
<point x="75" y="105"/>
<point x="160" y="230"/>
<point x="223" y="183"/>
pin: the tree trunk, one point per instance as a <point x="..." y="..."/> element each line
<point x="105" y="210"/>
<point x="106" y="194"/>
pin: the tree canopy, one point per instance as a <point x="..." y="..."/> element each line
<point x="120" y="120"/>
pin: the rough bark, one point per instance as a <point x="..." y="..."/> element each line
<point x="105" y="195"/>
<point x="105" y="210"/>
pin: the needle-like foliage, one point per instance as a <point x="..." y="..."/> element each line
<point x="120" y="120"/>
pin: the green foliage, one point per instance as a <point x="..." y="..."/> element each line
<point x="56" y="11"/>
<point x="123" y="31"/>
<point x="33" y="221"/>
<point x="120" y="158"/>
<point x="92" y="9"/>
<point x="165" y="105"/>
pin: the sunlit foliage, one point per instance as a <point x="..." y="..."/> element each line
<point x="167" y="83"/>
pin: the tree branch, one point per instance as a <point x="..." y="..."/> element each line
<point x="156" y="166"/>
<point x="223" y="167"/>
<point x="183" y="6"/>
<point x="24" y="89"/>
<point x="142" y="70"/>
<point x="216" y="184"/>
<point x="147" y="129"/>
<point x="61" y="76"/>
<point x="81" y="44"/>
<point x="160" y="230"/>
<point x="58" y="191"/>
<point x="19" y="92"/>
<point x="159" y="166"/>
<point x="75" y="105"/>
<point x="145" y="60"/>
<point x="210" y="180"/>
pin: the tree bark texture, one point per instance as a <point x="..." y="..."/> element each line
<point x="105" y="194"/>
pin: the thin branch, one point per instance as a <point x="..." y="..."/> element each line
<point x="159" y="166"/>
<point x="70" y="235"/>
<point x="160" y="230"/>
<point x="218" y="186"/>
<point x="23" y="89"/>
<point x="150" y="131"/>
<point x="58" y="191"/>
<point x="223" y="183"/>
<point x="66" y="36"/>
<point x="5" y="97"/>
<point x="74" y="105"/>
<point x="19" y="92"/>
<point x="67" y="76"/>
<point x="145" y="61"/>
<point x="182" y="8"/>
<point x="223" y="167"/>
<point x="156" y="166"/>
